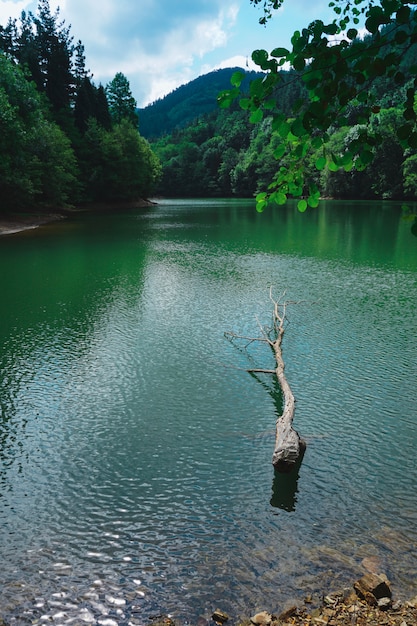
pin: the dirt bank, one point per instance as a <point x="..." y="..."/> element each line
<point x="11" y="223"/>
<point x="15" y="223"/>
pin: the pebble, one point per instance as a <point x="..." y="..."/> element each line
<point x="219" y="616"/>
<point x="262" y="619"/>
<point x="115" y="601"/>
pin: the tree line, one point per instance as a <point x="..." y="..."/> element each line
<point x="64" y="140"/>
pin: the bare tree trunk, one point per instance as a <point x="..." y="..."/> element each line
<point x="289" y="446"/>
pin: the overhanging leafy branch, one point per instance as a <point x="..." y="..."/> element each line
<point x="336" y="74"/>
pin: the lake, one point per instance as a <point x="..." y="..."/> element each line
<point x="136" y="474"/>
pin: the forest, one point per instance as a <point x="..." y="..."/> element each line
<point x="64" y="141"/>
<point x="222" y="153"/>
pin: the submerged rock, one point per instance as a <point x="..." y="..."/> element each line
<point x="219" y="617"/>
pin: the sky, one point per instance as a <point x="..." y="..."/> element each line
<point x="162" y="44"/>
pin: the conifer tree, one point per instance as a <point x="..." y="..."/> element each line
<point x="122" y="104"/>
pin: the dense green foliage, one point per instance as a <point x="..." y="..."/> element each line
<point x="223" y="153"/>
<point x="38" y="164"/>
<point x="64" y="140"/>
<point x="346" y="78"/>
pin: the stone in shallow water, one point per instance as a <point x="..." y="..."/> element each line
<point x="372" y="564"/>
<point x="115" y="601"/>
<point x="100" y="608"/>
<point x="90" y="595"/>
<point x="59" y="616"/>
<point x="86" y="616"/>
<point x="219" y="616"/>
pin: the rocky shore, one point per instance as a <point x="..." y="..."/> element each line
<point x="369" y="602"/>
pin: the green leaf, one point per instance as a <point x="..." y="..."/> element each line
<point x="316" y="143"/>
<point x="404" y="131"/>
<point x="244" y="103"/>
<point x="256" y="116"/>
<point x="321" y="163"/>
<point x="279" y="152"/>
<point x="401" y="37"/>
<point x="237" y="78"/>
<point x="302" y="205"/>
<point x="403" y="15"/>
<point x="260" y="57"/>
<point x="224" y="102"/>
<point x="298" y="63"/>
<point x="330" y="29"/>
<point x="280" y="197"/>
<point x="284" y="129"/>
<point x="279" y="52"/>
<point x="269" y="105"/>
<point x="256" y="88"/>
<point x="313" y="202"/>
<point x="374" y="19"/>
<point x="225" y="98"/>
<point x="261" y="196"/>
<point x="297" y="128"/>
<point x="366" y="157"/>
<point x="295" y="189"/>
<point x="260" y="206"/>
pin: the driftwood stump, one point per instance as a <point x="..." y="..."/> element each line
<point x="289" y="446"/>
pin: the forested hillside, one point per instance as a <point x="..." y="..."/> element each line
<point x="186" y="103"/>
<point x="223" y="153"/>
<point x="64" y="140"/>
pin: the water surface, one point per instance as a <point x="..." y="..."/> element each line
<point x="136" y="473"/>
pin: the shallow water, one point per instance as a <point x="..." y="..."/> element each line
<point x="136" y="471"/>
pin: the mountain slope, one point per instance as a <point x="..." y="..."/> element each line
<point x="186" y="103"/>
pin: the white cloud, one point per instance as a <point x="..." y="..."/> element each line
<point x="238" y="60"/>
<point x="13" y="9"/>
<point x="156" y="47"/>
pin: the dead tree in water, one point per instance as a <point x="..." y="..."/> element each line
<point x="289" y="447"/>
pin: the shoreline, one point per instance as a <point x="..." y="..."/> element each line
<point x="15" y="222"/>
<point x="10" y="224"/>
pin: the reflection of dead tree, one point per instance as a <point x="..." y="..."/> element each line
<point x="289" y="447"/>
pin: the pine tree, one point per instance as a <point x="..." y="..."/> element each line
<point x="80" y="72"/>
<point x="122" y="104"/>
<point x="55" y="49"/>
<point x="103" y="113"/>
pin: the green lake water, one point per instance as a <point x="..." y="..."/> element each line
<point x="135" y="451"/>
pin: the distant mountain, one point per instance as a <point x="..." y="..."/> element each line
<point x="186" y="103"/>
